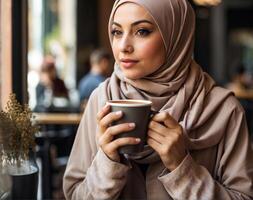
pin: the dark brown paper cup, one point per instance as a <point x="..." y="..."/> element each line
<point x="138" y="112"/>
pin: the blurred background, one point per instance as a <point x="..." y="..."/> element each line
<point x="71" y="30"/>
<point x="38" y="36"/>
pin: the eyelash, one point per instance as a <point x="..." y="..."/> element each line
<point x="115" y="32"/>
<point x="142" y="32"/>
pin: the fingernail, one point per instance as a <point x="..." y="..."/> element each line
<point x="118" y="112"/>
<point x="106" y="107"/>
<point x="137" y="139"/>
<point x="131" y="125"/>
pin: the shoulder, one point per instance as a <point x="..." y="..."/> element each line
<point x="85" y="78"/>
<point x="98" y="95"/>
<point x="40" y="86"/>
<point x="91" y="79"/>
<point x="58" y="80"/>
<point x="94" y="95"/>
<point x="230" y="103"/>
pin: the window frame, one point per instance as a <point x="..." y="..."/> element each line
<point x="13" y="50"/>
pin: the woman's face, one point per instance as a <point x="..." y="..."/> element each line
<point x="137" y="44"/>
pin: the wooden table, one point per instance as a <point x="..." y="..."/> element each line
<point x="244" y="94"/>
<point x="58" y="118"/>
<point x="240" y="92"/>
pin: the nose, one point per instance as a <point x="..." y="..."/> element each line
<point x="126" y="45"/>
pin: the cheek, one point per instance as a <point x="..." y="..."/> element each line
<point x="152" y="50"/>
<point x="115" y="50"/>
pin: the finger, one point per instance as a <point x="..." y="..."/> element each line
<point x="115" y="130"/>
<point x="120" y="128"/>
<point x="154" y="144"/>
<point x="159" y="128"/>
<point x="104" y="111"/>
<point x="104" y="139"/>
<point x="109" y="118"/>
<point x="166" y="118"/>
<point x="156" y="136"/>
<point x="114" y="145"/>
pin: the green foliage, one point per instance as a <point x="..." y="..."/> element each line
<point x="17" y="130"/>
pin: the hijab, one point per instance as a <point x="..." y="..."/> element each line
<point x="178" y="87"/>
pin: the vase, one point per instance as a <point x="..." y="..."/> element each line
<point x="5" y="179"/>
<point x="5" y="186"/>
<point x="23" y="173"/>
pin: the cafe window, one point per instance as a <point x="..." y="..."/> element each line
<point x="240" y="37"/>
<point x="52" y="31"/>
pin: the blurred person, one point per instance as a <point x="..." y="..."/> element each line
<point x="50" y="86"/>
<point x="100" y="61"/>
<point x="197" y="144"/>
<point x="238" y="79"/>
<point x="241" y="83"/>
<point x="242" y="87"/>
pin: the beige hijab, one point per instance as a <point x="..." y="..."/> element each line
<point x="179" y="87"/>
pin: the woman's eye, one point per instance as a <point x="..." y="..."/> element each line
<point x="143" y="32"/>
<point x="116" y="32"/>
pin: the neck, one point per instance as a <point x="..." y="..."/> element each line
<point x="96" y="70"/>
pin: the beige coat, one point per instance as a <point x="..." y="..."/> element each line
<point x="223" y="171"/>
<point x="219" y="165"/>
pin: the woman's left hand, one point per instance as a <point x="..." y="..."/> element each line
<point x="165" y="136"/>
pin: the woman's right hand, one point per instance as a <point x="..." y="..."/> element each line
<point x="107" y="132"/>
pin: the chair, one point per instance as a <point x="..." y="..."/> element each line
<point x="54" y="147"/>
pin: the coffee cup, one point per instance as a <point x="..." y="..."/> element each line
<point x="134" y="111"/>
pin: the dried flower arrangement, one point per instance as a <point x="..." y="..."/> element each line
<point x="17" y="130"/>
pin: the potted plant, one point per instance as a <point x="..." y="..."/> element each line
<point x="17" y="149"/>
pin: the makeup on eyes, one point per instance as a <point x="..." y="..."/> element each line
<point x="143" y="29"/>
<point x="140" y="32"/>
<point x="115" y="32"/>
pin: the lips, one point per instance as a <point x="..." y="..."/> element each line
<point x="127" y="63"/>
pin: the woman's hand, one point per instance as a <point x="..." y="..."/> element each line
<point x="107" y="132"/>
<point x="165" y="136"/>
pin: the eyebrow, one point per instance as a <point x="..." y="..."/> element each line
<point x="135" y="23"/>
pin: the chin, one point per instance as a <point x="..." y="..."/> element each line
<point x="133" y="76"/>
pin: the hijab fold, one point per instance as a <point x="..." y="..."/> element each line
<point x="178" y="87"/>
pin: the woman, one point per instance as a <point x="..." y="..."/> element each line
<point x="198" y="144"/>
<point x="50" y="86"/>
